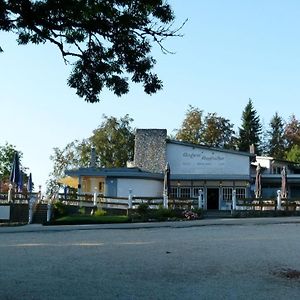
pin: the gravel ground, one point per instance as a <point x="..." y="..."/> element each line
<point x="250" y="259"/>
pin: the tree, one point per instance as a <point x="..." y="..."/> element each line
<point x="75" y="154"/>
<point x="114" y="141"/>
<point x="6" y="159"/>
<point x="294" y="154"/>
<point x="292" y="132"/>
<point x="218" y="132"/>
<point x="106" y="41"/>
<point x="212" y="130"/>
<point x="275" y="138"/>
<point x="249" y="133"/>
<point x="192" y="126"/>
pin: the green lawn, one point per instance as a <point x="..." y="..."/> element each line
<point x="86" y="219"/>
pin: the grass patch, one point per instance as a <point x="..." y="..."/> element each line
<point x="86" y="219"/>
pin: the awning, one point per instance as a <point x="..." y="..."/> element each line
<point x="69" y="181"/>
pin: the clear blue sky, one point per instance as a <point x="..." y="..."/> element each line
<point x="231" y="51"/>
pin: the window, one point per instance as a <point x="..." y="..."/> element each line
<point x="227" y="194"/>
<point x="184" y="192"/>
<point x="195" y="192"/>
<point x="174" y="192"/>
<point x="240" y="193"/>
<point x="101" y="187"/>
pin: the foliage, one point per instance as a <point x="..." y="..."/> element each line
<point x="59" y="209"/>
<point x="191" y="128"/>
<point x="218" y="132"/>
<point x="87" y="219"/>
<point x="294" y="154"/>
<point x="163" y="214"/>
<point x="73" y="155"/>
<point x="276" y="141"/>
<point x="100" y="212"/>
<point x="6" y="159"/>
<point x="105" y="41"/>
<point x="250" y="131"/>
<point x="143" y="209"/>
<point x="114" y="141"/>
<point x="211" y="130"/>
<point x="81" y="210"/>
<point x="292" y="132"/>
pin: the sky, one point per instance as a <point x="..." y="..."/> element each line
<point x="231" y="51"/>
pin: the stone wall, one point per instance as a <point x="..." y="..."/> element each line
<point x="150" y="150"/>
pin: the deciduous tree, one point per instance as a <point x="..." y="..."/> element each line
<point x="218" y="132"/>
<point x="292" y="132"/>
<point x="192" y="126"/>
<point x="106" y="41"/>
<point x="113" y="141"/>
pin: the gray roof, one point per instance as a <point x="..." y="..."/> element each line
<point x="114" y="172"/>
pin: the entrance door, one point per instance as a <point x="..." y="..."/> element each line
<point x="212" y="198"/>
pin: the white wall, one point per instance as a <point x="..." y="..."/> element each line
<point x="189" y="160"/>
<point x="140" y="187"/>
<point x="4" y="212"/>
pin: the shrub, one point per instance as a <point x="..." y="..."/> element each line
<point x="99" y="213"/>
<point x="163" y="214"/>
<point x="143" y="209"/>
<point x="81" y="210"/>
<point x="59" y="209"/>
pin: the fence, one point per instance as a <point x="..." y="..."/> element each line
<point x="268" y="204"/>
<point x="88" y="200"/>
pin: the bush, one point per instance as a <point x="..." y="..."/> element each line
<point x="81" y="210"/>
<point x="143" y="209"/>
<point x="59" y="209"/>
<point x="99" y="213"/>
<point x="162" y="214"/>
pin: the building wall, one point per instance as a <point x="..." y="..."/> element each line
<point x="139" y="187"/>
<point x="150" y="149"/>
<point x="188" y="160"/>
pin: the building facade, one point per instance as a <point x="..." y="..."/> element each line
<point x="216" y="173"/>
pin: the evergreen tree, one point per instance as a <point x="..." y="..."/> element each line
<point x="275" y="141"/>
<point x="250" y="131"/>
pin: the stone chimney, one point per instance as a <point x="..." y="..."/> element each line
<point x="150" y="149"/>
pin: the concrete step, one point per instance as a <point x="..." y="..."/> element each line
<point x="40" y="215"/>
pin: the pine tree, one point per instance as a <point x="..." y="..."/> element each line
<point x="250" y="131"/>
<point x="275" y="140"/>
